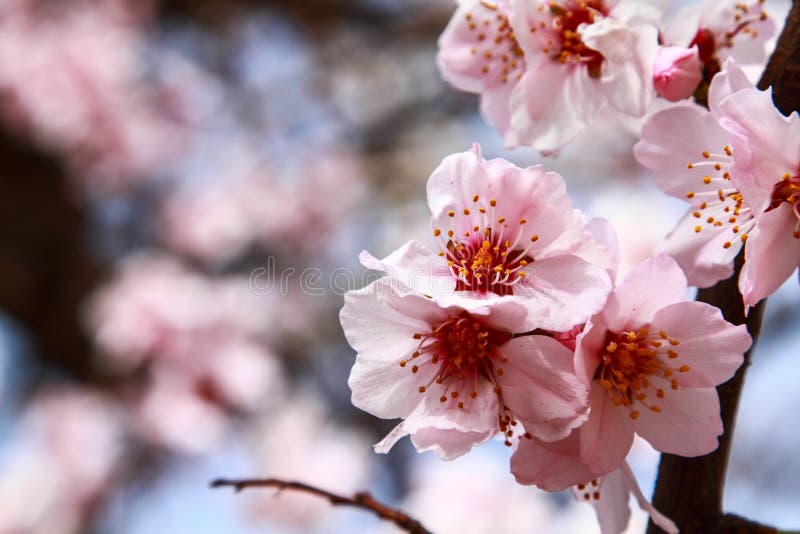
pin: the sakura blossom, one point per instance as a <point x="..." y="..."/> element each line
<point x="581" y="56"/>
<point x="696" y="166"/>
<point x="504" y="234"/>
<point x="59" y="461"/>
<point x="457" y="377"/>
<point x="545" y="69"/>
<point x="479" y="53"/>
<point x="722" y="29"/>
<point x="652" y="361"/>
<point x="203" y="343"/>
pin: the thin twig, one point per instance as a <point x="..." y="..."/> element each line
<point x="362" y="499"/>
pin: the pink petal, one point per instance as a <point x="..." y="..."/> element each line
<point x="702" y="255"/>
<point x="601" y="247"/>
<point x="649" y="286"/>
<point x="607" y="435"/>
<point x="376" y="330"/>
<point x="731" y="79"/>
<point x="667" y="155"/>
<point x="612" y="509"/>
<point x="462" y="57"/>
<point x="772" y="254"/>
<point x="658" y="518"/>
<point x="553" y="103"/>
<point x="688" y="425"/>
<point x="629" y="53"/>
<point x="414" y="267"/>
<point x="448" y="430"/>
<point x="712" y="347"/>
<point x="382" y="337"/>
<point x="540" y="387"/>
<point x="495" y="108"/>
<point x="589" y="345"/>
<point x="765" y="143"/>
<point x="551" y="466"/>
<point x="452" y="186"/>
<point x="563" y="291"/>
<point x="385" y="389"/>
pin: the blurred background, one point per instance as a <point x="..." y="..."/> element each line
<point x="184" y="190"/>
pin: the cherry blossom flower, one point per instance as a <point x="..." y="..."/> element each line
<point x="722" y="29"/>
<point x="580" y="56"/>
<point x="766" y="147"/>
<point x="740" y="175"/>
<point x="479" y="53"/>
<point x="652" y="361"/>
<point x="504" y="233"/>
<point x="456" y="377"/>
<point x="696" y="166"/>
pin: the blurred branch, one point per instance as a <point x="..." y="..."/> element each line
<point x="362" y="500"/>
<point x="690" y="490"/>
<point x="46" y="267"/>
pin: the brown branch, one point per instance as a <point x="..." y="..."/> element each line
<point x="362" y="499"/>
<point x="689" y="490"/>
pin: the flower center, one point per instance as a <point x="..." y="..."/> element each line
<point x="788" y="190"/>
<point x="708" y="44"/>
<point x="462" y="351"/>
<point x="637" y="366"/>
<point x="490" y="253"/>
<point x="567" y="45"/>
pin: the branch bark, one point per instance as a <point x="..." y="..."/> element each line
<point x="362" y="500"/>
<point x="690" y="490"/>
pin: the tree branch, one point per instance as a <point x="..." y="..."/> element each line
<point x="690" y="490"/>
<point x="362" y="500"/>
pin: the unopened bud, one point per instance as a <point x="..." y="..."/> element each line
<point x="677" y="72"/>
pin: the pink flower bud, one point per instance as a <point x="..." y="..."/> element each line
<point x="677" y="71"/>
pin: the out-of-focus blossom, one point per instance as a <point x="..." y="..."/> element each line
<point x="456" y="377"/>
<point x="504" y="234"/>
<point x="652" y="361"/>
<point x="330" y="455"/>
<point x="59" y="464"/>
<point x="475" y="495"/>
<point x="677" y="72"/>
<point x="72" y="75"/>
<point x="282" y="209"/>
<point x="204" y="342"/>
